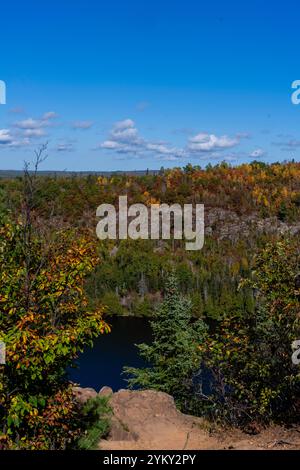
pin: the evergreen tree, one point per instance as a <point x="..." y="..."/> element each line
<point x="174" y="356"/>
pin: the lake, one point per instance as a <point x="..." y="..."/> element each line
<point x="103" y="363"/>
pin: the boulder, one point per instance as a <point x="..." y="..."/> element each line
<point x="84" y="394"/>
<point x="145" y="419"/>
<point x="105" y="392"/>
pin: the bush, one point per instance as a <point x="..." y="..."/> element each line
<point x="95" y="422"/>
<point x="253" y="377"/>
<point x="45" y="321"/>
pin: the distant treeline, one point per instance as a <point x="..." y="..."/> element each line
<point x="70" y="174"/>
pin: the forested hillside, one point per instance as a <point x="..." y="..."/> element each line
<point x="245" y="207"/>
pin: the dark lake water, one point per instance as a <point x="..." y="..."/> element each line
<point x="103" y="364"/>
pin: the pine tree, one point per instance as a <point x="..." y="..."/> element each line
<point x="174" y="356"/>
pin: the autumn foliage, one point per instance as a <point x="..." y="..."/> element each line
<point x="45" y="321"/>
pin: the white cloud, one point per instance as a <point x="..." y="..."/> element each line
<point x="125" y="124"/>
<point x="125" y="132"/>
<point x="20" y="143"/>
<point x="124" y="138"/>
<point x="164" y="150"/>
<point x="5" y="136"/>
<point x="34" y="128"/>
<point x="257" y="153"/>
<point x="8" y="140"/>
<point x="34" y="132"/>
<point x="24" y="131"/>
<point x="204" y="142"/>
<point x="31" y="124"/>
<point x="110" y="145"/>
<point x="49" y="115"/>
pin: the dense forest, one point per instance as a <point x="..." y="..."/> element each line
<point x="229" y="311"/>
<point x="245" y="207"/>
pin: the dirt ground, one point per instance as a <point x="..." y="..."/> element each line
<point x="149" y="420"/>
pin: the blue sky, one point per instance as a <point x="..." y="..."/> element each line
<point x="135" y="84"/>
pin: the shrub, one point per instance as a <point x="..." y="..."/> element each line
<point x="95" y="422"/>
<point x="250" y="355"/>
<point x="44" y="322"/>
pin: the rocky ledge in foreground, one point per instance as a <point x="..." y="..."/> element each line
<point x="150" y="420"/>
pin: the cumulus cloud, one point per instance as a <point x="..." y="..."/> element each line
<point x="23" y="132"/>
<point x="110" y="145"/>
<point x="34" y="132"/>
<point x="8" y="140"/>
<point x="125" y="132"/>
<point x="204" y="142"/>
<point x="25" y="142"/>
<point x="165" y="151"/>
<point x="124" y="138"/>
<point x="49" y="115"/>
<point x="31" y="128"/>
<point x="126" y="123"/>
<point x="5" y="137"/>
<point x="30" y="123"/>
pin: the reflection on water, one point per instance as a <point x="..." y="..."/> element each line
<point x="103" y="364"/>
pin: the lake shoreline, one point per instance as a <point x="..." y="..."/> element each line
<point x="102" y="364"/>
